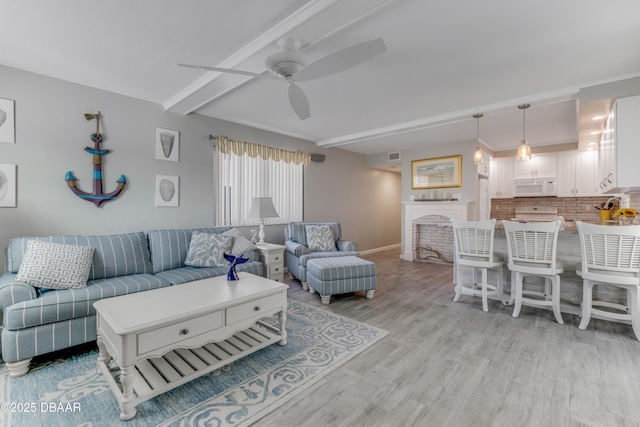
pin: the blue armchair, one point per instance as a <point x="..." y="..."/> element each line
<point x="297" y="251"/>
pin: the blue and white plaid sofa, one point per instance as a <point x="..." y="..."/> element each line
<point x="39" y="321"/>
<point x="297" y="252"/>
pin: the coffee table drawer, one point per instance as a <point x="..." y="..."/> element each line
<point x="253" y="308"/>
<point x="179" y="331"/>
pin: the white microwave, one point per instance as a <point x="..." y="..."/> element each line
<point x="534" y="187"/>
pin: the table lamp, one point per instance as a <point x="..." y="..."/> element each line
<point x="262" y="207"/>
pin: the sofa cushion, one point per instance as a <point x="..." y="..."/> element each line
<point x="178" y="276"/>
<point x="338" y="268"/>
<point x="169" y="247"/>
<point x="55" y="265"/>
<point x="320" y="238"/>
<point x="58" y="305"/>
<point x="208" y="249"/>
<point x="115" y="255"/>
<point x="303" y="259"/>
<point x="26" y="343"/>
<point x="240" y="244"/>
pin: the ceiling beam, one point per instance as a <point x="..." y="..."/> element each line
<point x="324" y="24"/>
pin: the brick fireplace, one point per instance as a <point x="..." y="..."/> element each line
<point x="433" y="239"/>
<point x="425" y="224"/>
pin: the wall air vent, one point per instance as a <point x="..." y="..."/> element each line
<point x="317" y="157"/>
<point x="394" y="157"/>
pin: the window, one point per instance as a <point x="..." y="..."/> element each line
<point x="244" y="170"/>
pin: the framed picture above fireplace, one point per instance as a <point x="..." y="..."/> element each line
<point x="438" y="172"/>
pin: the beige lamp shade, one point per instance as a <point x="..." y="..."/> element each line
<point x="262" y="207"/>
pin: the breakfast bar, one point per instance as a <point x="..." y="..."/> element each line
<point x="568" y="253"/>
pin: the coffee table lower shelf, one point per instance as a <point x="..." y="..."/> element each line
<point x="158" y="375"/>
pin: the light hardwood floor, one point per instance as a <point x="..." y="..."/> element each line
<point x="451" y="364"/>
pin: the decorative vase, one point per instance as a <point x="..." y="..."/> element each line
<point x="623" y="220"/>
<point x="605" y="215"/>
<point x="232" y="275"/>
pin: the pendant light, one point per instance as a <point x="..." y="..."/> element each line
<point x="477" y="156"/>
<point x="524" y="151"/>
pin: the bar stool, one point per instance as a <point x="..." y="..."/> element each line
<point x="610" y="256"/>
<point x="532" y="252"/>
<point x="473" y="247"/>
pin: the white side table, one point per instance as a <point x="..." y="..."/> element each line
<point x="272" y="256"/>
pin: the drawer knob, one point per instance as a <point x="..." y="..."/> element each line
<point x="184" y="331"/>
<point x="256" y="308"/>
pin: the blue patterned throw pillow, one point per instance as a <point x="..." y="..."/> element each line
<point x="320" y="238"/>
<point x="207" y="250"/>
<point x="240" y="245"/>
<point x="55" y="265"/>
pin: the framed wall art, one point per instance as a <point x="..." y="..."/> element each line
<point x="438" y="172"/>
<point x="7" y="185"/>
<point x="167" y="191"/>
<point x="7" y="121"/>
<point x="167" y="144"/>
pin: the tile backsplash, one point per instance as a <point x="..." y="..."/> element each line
<point x="571" y="208"/>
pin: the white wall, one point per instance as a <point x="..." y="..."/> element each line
<point x="469" y="188"/>
<point x="364" y="200"/>
<point x="51" y="134"/>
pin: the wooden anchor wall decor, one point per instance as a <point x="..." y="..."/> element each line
<point x="97" y="197"/>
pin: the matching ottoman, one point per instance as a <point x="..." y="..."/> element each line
<point x="340" y="275"/>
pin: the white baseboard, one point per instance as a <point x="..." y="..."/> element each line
<point x="382" y="249"/>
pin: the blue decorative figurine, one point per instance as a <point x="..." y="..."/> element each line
<point x="231" y="274"/>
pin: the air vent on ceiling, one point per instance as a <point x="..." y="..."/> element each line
<point x="394" y="156"/>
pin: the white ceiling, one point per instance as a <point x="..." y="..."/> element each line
<point x="445" y="61"/>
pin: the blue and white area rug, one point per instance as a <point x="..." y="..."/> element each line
<point x="69" y="391"/>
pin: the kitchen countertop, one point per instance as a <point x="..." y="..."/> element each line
<point x="571" y="227"/>
<point x="569" y="254"/>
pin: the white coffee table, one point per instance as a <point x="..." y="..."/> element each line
<point x="160" y="339"/>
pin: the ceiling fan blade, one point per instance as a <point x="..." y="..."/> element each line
<point x="341" y="60"/>
<point x="228" y="70"/>
<point x="299" y="102"/>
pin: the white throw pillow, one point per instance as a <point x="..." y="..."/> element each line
<point x="320" y="238"/>
<point x="55" y="265"/>
<point x="208" y="249"/>
<point x="240" y="244"/>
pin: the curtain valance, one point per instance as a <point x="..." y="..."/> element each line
<point x="239" y="148"/>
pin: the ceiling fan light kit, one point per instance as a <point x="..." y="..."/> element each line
<point x="477" y="156"/>
<point x="524" y="151"/>
<point x="290" y="66"/>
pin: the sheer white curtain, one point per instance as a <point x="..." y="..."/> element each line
<point x="245" y="170"/>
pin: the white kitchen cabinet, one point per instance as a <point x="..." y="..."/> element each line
<point x="576" y="174"/>
<point x="620" y="149"/>
<point x="604" y="178"/>
<point x="501" y="178"/>
<point x="536" y="167"/>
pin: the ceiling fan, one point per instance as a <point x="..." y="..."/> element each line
<point x="291" y="66"/>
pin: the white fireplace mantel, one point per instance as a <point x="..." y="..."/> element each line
<point x="414" y="210"/>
